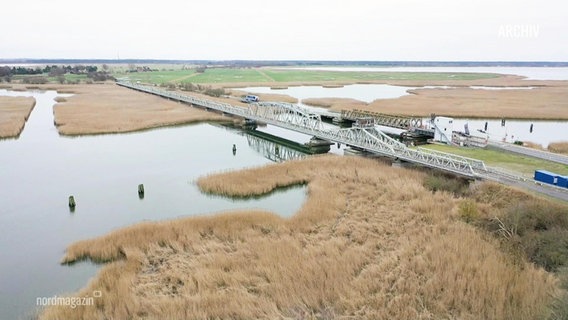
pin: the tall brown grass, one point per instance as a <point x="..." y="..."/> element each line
<point x="533" y="145"/>
<point x="549" y="102"/>
<point x="14" y="112"/>
<point x="337" y="104"/>
<point x="109" y="108"/>
<point x="559" y="147"/>
<point x="370" y="242"/>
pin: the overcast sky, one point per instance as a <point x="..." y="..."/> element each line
<point x="509" y="30"/>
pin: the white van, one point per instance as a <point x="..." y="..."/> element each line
<point x="250" y="98"/>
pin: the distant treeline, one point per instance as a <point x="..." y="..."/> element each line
<point x="59" y="72"/>
<point x="259" y="63"/>
<point x="53" y="70"/>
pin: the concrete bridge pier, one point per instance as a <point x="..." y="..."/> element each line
<point x="318" y="145"/>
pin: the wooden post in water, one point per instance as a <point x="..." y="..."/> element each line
<point x="141" y="191"/>
<point x="71" y="203"/>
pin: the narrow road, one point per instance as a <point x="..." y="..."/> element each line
<point x="527" y="184"/>
<point x="555" y="157"/>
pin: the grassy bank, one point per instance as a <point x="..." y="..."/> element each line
<point x="505" y="160"/>
<point x="14" y="112"/>
<point x="371" y="242"/>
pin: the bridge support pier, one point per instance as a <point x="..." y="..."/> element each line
<point x="318" y="145"/>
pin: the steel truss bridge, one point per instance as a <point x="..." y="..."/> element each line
<point x="293" y="117"/>
<point x="388" y="120"/>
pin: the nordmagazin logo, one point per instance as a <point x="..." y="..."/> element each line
<point x="72" y="302"/>
<point x="519" y="31"/>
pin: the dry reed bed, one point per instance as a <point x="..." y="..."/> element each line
<point x="111" y="109"/>
<point x="556" y="147"/>
<point x="559" y="147"/>
<point x="537" y="103"/>
<point x="335" y="103"/>
<point x="369" y="243"/>
<point x="14" y="112"/>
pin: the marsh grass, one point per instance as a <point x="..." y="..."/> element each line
<point x="532" y="145"/>
<point x="14" y="112"/>
<point x="334" y="103"/>
<point x="371" y="242"/>
<point x="97" y="109"/>
<point x="471" y="103"/>
<point x="438" y="181"/>
<point x="559" y="147"/>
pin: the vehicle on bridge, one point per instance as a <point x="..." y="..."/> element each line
<point x="249" y="98"/>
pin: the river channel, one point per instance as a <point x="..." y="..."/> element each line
<point x="41" y="169"/>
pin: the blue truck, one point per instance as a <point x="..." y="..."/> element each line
<point x="551" y="178"/>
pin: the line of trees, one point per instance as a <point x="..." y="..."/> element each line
<point x="53" y="69"/>
<point x="38" y="73"/>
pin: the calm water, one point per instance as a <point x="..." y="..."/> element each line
<point x="40" y="170"/>
<point x="361" y="92"/>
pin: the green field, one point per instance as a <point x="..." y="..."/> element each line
<point x="260" y="75"/>
<point x="505" y="160"/>
<point x="158" y="77"/>
<point x="316" y="75"/>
